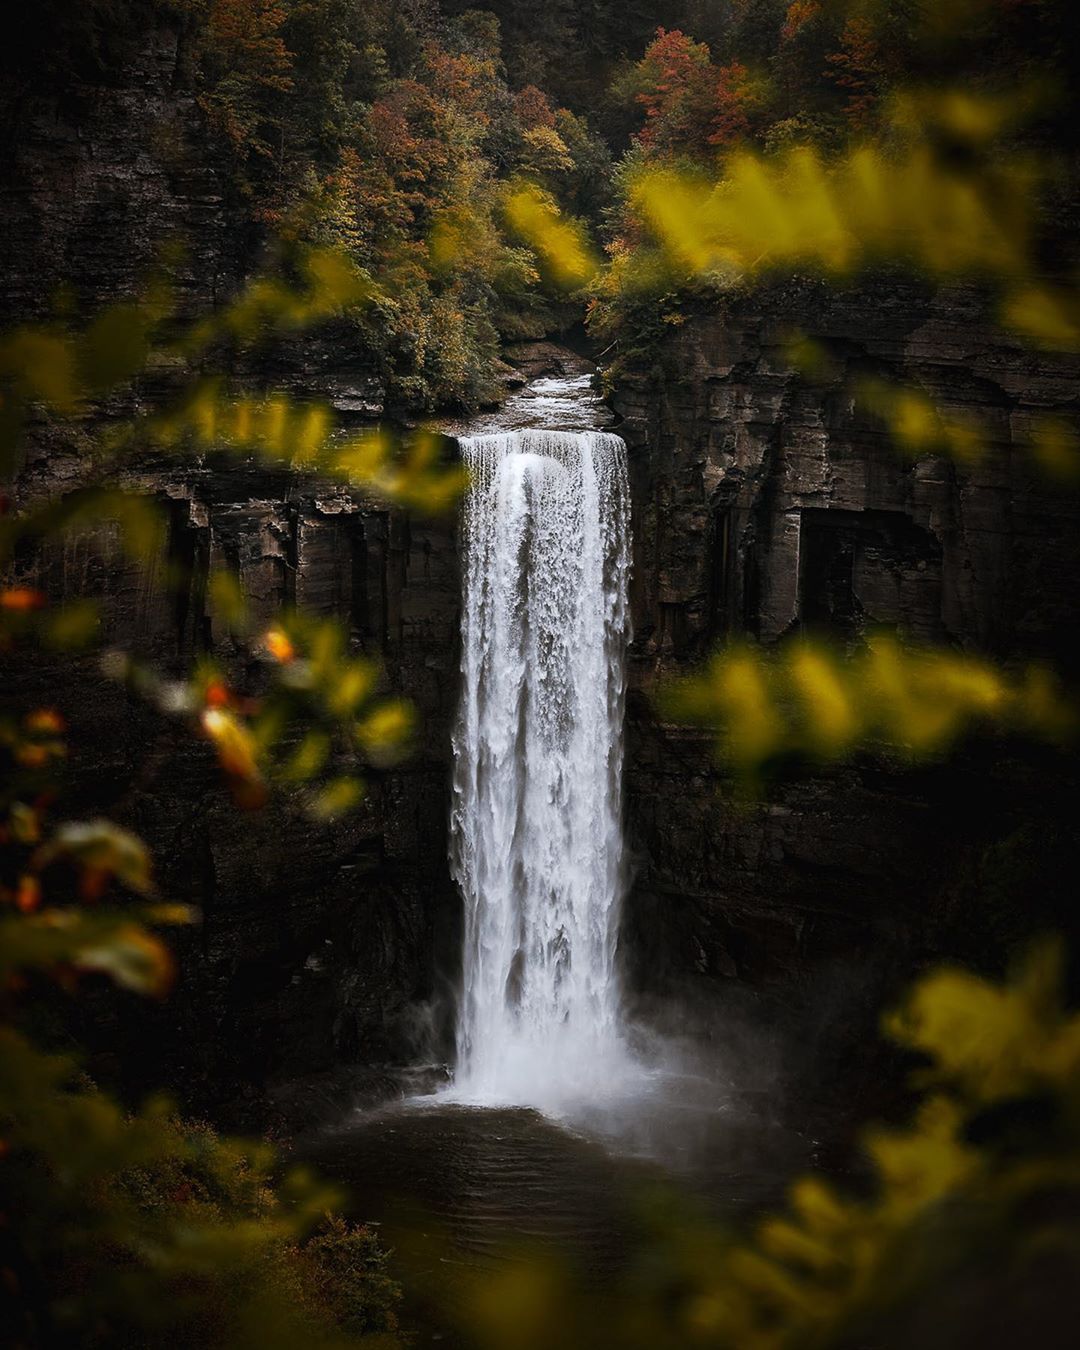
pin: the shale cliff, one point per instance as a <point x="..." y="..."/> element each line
<point x="318" y="946"/>
<point x="767" y="503"/>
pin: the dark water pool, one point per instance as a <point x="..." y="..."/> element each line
<point x="460" y="1188"/>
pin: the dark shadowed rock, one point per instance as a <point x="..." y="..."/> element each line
<point x="765" y="504"/>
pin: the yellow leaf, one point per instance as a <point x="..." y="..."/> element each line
<point x="384" y="731"/>
<point x="561" y="243"/>
<point x="337" y="798"/>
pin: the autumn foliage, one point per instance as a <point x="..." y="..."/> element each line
<point x="690" y="104"/>
<point x="858" y="69"/>
<point x="375" y="130"/>
<point x="799" y="14"/>
<point x="246" y="59"/>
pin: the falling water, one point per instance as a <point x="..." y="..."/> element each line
<point x="536" y="831"/>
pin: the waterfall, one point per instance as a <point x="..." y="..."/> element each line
<point x="536" y="818"/>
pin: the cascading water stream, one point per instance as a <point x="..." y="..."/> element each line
<point x="536" y="817"/>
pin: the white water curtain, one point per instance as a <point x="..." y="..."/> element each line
<point x="536" y="816"/>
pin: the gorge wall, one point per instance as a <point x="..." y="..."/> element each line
<point x="767" y="503"/>
<point x="762" y="501"/>
<point x="317" y="945"/>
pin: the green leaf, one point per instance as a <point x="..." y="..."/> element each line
<point x="385" y="731"/>
<point x="102" y="847"/>
<point x="74" y="625"/>
<point x="309" y="758"/>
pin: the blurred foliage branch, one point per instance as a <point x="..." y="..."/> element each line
<point x="961" y="208"/>
<point x="141" y="1229"/>
<point x="319" y="704"/>
<point x="836" y="139"/>
<point x="62" y="371"/>
<point x="120" y="1227"/>
<point x="810" y="700"/>
<point x="51" y="371"/>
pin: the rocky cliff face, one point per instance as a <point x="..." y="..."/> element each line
<point x="320" y="945"/>
<point x="95" y="181"/>
<point x="768" y="499"/>
<point x="765" y="502"/>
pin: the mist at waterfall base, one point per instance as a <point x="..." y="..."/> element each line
<point x="537" y="799"/>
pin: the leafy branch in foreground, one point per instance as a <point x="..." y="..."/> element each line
<point x="983" y="1185"/>
<point x="130" y="1227"/>
<point x="942" y="166"/>
<point x="142" y="1229"/>
<point x="318" y="705"/>
<point x="808" y="699"/>
<point x="63" y="368"/>
<point x="61" y="373"/>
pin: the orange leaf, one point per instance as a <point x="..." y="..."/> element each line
<point x="217" y="695"/>
<point x="28" y="894"/>
<point x="22" y="599"/>
<point x="278" y="645"/>
<point x="237" y="756"/>
<point x="92" y="883"/>
<point x="44" y="719"/>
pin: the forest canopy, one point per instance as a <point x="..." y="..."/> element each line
<point x="407" y="132"/>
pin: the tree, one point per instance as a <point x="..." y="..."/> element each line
<point x="859" y="69"/>
<point x="533" y="108"/>
<point x="675" y="87"/>
<point x="246" y="68"/>
<point x="734" y="100"/>
<point x="799" y="14"/>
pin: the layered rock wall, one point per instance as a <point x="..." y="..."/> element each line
<point x="97" y="180"/>
<point x="767" y="503"/>
<point x="319" y="945"/>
